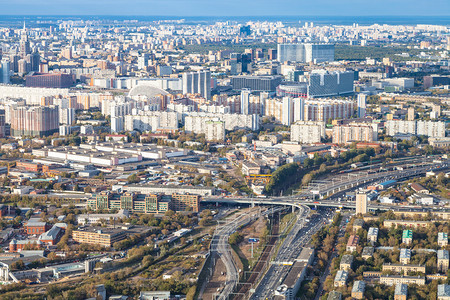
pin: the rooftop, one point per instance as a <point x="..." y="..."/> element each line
<point x="442" y="236"/>
<point x="367" y="251"/>
<point x="407" y="234"/>
<point x="405" y="253"/>
<point x="358" y="222"/>
<point x="401" y="289"/>
<point x="353" y="240"/>
<point x="341" y="275"/>
<point x="347" y="259"/>
<point x="359" y="286"/>
<point x="442" y="254"/>
<point x="333" y="295"/>
<point x="443" y="290"/>
<point x="372" y="231"/>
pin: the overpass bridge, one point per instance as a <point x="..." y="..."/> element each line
<point x="327" y="188"/>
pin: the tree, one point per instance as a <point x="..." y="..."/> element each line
<point x="133" y="179"/>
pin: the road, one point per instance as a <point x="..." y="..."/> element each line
<point x="221" y="247"/>
<point x="335" y="187"/>
<point x="291" y="247"/>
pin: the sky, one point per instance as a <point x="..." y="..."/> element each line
<point x="227" y="7"/>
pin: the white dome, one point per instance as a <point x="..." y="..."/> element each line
<point x="146" y="90"/>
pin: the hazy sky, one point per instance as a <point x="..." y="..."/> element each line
<point x="226" y="7"/>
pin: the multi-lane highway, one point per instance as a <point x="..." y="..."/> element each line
<point x="290" y="248"/>
<point x="301" y="232"/>
<point x="220" y="246"/>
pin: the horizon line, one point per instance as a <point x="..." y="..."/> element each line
<point x="221" y="16"/>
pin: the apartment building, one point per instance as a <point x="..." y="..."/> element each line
<point x="346" y="262"/>
<point x="307" y="132"/>
<point x="372" y="235"/>
<point x="352" y="243"/>
<point x="442" y="261"/>
<point x="358" y="289"/>
<point x="401" y="291"/>
<point x="442" y="239"/>
<point x="399" y="268"/>
<point x="407" y="237"/>
<point x="341" y="278"/>
<point x="405" y="256"/>
<point x="397" y="279"/>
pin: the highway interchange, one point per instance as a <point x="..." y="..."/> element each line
<point x="302" y="231"/>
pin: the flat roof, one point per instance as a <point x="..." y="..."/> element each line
<point x="405" y="253"/>
<point x="347" y="259"/>
<point x="442" y="254"/>
<point x="401" y="289"/>
<point x="359" y="286"/>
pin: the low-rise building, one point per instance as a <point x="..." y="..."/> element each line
<point x="159" y="295"/>
<point x="52" y="236"/>
<point x="405" y="256"/>
<point x="397" y="279"/>
<point x="105" y="237"/>
<point x="406" y="223"/>
<point x="401" y="291"/>
<point x="358" y="224"/>
<point x="367" y="252"/>
<point x="85" y="219"/>
<point x="442" y="239"/>
<point x="249" y="167"/>
<point x="399" y="268"/>
<point x="372" y="235"/>
<point x="35" y="226"/>
<point x="19" y="245"/>
<point x="418" y="188"/>
<point x="358" y="289"/>
<point x="352" y="243"/>
<point x="346" y="262"/>
<point x="341" y="278"/>
<point x="442" y="261"/>
<point x="407" y="237"/>
<point x="443" y="292"/>
<point x="334" y="295"/>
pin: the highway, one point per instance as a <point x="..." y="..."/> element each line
<point x="338" y="185"/>
<point x="290" y="248"/>
<point x="220" y="246"/>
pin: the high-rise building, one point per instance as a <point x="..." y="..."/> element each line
<point x="355" y="132"/>
<point x="362" y="105"/>
<point x="245" y="101"/>
<point x="323" y="110"/>
<point x="361" y="202"/>
<point x="411" y="113"/>
<point x="323" y="83"/>
<point x="305" y="53"/>
<point x="49" y="80"/>
<point x="24" y="45"/>
<point x="287" y="116"/>
<point x="256" y="83"/>
<point x="66" y="116"/>
<point x="307" y="132"/>
<point x="143" y="61"/>
<point x="4" y="71"/>
<point x="34" y="120"/>
<point x="240" y="63"/>
<point x="2" y="123"/>
<point x="272" y="53"/>
<point x="197" y="83"/>
<point x="215" y="130"/>
<point x="299" y="109"/>
<point x="428" y="128"/>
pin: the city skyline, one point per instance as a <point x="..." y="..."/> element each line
<point x="230" y="8"/>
